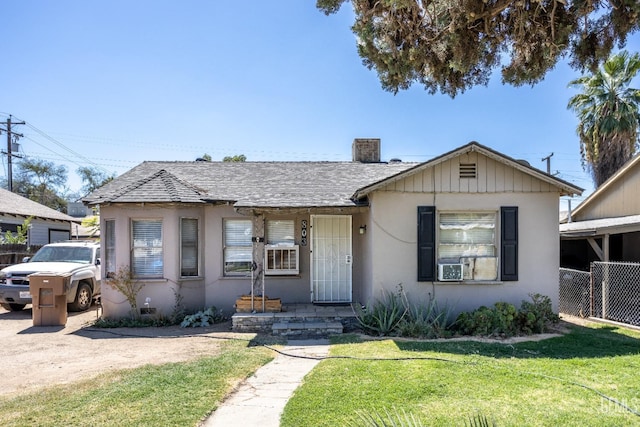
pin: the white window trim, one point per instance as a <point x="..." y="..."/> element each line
<point x="281" y="252"/>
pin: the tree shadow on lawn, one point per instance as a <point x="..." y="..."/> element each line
<point x="579" y="342"/>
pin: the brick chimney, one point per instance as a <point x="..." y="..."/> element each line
<point x="366" y="150"/>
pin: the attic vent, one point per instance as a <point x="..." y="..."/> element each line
<point x="467" y="170"/>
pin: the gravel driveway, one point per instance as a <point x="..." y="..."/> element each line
<point x="35" y="357"/>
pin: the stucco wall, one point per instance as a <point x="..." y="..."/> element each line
<point x="394" y="247"/>
<point x="161" y="291"/>
<point x="211" y="288"/>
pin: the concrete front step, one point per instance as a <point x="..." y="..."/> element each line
<point x="299" y="329"/>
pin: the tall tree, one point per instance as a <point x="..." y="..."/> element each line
<point x="452" y="45"/>
<point x="43" y="182"/>
<point x="92" y="178"/>
<point x="608" y="110"/>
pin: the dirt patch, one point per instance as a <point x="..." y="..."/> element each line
<point x="36" y="357"/>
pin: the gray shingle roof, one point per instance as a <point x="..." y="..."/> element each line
<point x="246" y="184"/>
<point x="14" y="204"/>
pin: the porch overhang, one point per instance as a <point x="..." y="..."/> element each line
<point x="599" y="227"/>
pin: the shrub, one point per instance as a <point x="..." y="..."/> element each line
<point x="383" y="316"/>
<point x="504" y="320"/>
<point x="425" y="320"/>
<point x="535" y="316"/>
<point x="204" y="318"/>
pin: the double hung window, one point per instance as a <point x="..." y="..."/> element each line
<point x="109" y="260"/>
<point x="188" y="247"/>
<point x="466" y="246"/>
<point x="238" y="248"/>
<point x="146" y="251"/>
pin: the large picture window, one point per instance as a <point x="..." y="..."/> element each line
<point x="109" y="260"/>
<point x="147" y="257"/>
<point x="188" y="247"/>
<point x="238" y="249"/>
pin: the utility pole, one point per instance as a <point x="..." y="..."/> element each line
<point x="11" y="136"/>
<point x="548" y="159"/>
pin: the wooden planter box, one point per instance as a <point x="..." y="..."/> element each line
<point x="271" y="305"/>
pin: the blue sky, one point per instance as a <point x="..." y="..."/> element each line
<point x="114" y="83"/>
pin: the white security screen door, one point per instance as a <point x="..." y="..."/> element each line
<point x="331" y="258"/>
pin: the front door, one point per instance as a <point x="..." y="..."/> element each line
<point x="331" y="258"/>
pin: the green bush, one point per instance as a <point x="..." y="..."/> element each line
<point x="503" y="319"/>
<point x="204" y="318"/>
<point x="535" y="315"/>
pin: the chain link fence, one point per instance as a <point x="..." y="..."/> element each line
<point x="611" y="290"/>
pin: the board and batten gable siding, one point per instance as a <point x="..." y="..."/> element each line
<point x="622" y="198"/>
<point x="491" y="177"/>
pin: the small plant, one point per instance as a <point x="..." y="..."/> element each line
<point x="383" y="316"/>
<point x="394" y="418"/>
<point x="123" y="282"/>
<point x="535" y="316"/>
<point x="20" y="236"/>
<point x="425" y="320"/>
<point x="204" y="318"/>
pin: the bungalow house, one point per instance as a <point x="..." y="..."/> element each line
<point x="47" y="226"/>
<point x="468" y="228"/>
<point x="606" y="225"/>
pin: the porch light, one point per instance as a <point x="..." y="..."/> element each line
<point x="363" y="229"/>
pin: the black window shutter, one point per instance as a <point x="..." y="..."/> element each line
<point x="509" y="243"/>
<point x="426" y="243"/>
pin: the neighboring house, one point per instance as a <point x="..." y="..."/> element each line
<point x="48" y="225"/>
<point x="606" y="225"/>
<point x="82" y="212"/>
<point x="468" y="228"/>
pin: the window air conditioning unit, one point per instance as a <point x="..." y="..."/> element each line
<point x="450" y="272"/>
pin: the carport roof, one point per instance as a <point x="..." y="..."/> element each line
<point x="599" y="227"/>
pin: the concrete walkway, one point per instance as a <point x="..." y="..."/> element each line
<point x="260" y="400"/>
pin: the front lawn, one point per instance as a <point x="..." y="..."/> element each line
<point x="589" y="377"/>
<point x="174" y="394"/>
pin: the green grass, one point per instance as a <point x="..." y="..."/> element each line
<point x="548" y="383"/>
<point x="175" y="394"/>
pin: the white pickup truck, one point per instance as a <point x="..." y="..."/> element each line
<point x="80" y="258"/>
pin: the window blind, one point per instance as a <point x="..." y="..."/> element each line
<point x="147" y="248"/>
<point x="280" y="232"/>
<point x="110" y="246"/>
<point x="189" y="247"/>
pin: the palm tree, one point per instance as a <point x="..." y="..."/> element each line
<point x="608" y="111"/>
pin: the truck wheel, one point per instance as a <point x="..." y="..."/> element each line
<point x="83" y="298"/>
<point x="13" y="306"/>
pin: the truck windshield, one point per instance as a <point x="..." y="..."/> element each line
<point x="63" y="254"/>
